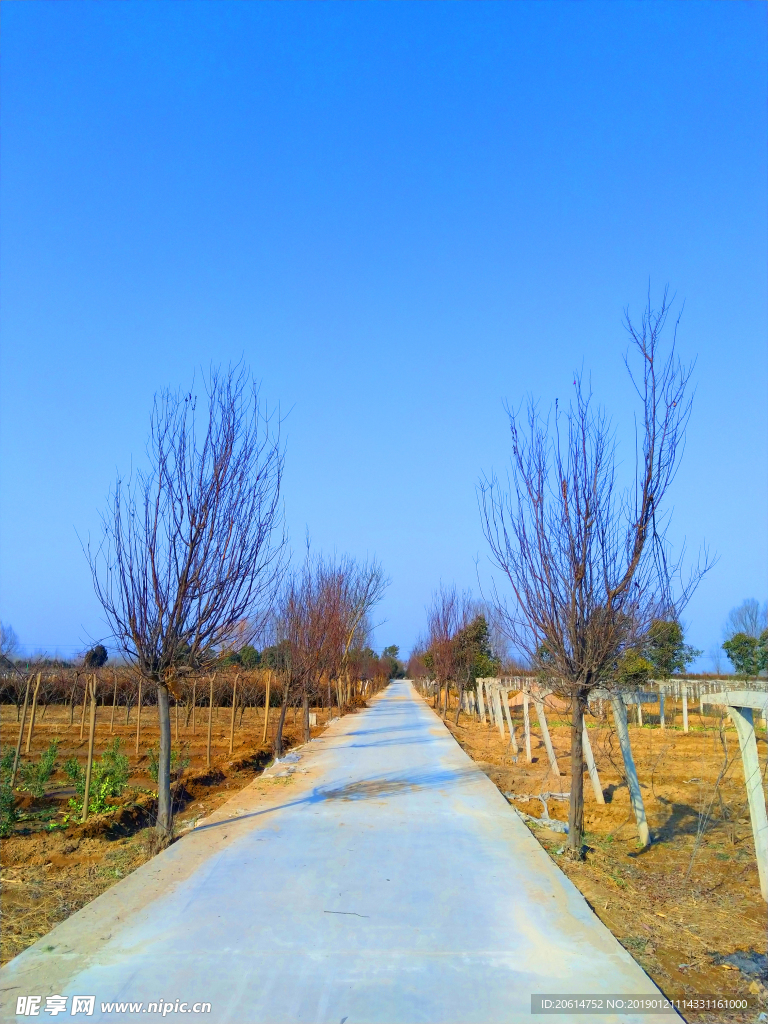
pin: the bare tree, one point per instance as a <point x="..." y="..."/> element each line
<point x="321" y="611"/>
<point x="749" y="618"/>
<point x="192" y="546"/>
<point x="449" y="612"/>
<point x="587" y="560"/>
<point x="9" y="643"/>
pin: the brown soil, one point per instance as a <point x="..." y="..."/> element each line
<point x="50" y="871"/>
<point x="695" y="894"/>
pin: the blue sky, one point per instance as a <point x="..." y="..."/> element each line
<point x="400" y="215"/>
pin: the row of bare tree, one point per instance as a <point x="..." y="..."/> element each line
<point x="193" y="564"/>
<point x="588" y="567"/>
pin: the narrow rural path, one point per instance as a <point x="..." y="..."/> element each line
<point x="385" y="880"/>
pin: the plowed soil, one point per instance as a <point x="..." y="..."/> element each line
<point x="694" y="896"/>
<point x="49" y="871"/>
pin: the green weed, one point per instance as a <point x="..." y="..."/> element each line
<point x="109" y="777"/>
<point x="35" y="776"/>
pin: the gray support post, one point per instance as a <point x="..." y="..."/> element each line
<point x="639" y="713"/>
<point x="685" y="709"/>
<point x="497" y="709"/>
<point x="589" y="757"/>
<point x="510" y="726"/>
<point x="480" y="701"/>
<point x="527" y="725"/>
<point x="545" y="734"/>
<point x="742" y="719"/>
<point x="661" y="708"/>
<point x="635" y="796"/>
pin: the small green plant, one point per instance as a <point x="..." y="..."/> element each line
<point x="8" y="813"/>
<point x="35" y="776"/>
<point x="179" y="761"/>
<point x="6" y="763"/>
<point x="109" y="777"/>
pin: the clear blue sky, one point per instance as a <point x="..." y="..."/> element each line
<point x="400" y="215"/>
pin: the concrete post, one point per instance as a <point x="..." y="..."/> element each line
<point x="480" y="701"/>
<point x="742" y="719"/>
<point x="589" y="757"/>
<point x="639" y="713"/>
<point x="497" y="709"/>
<point x="685" y="710"/>
<point x="510" y="726"/>
<point x="545" y="734"/>
<point x="635" y="796"/>
<point x="661" y="708"/>
<point x="527" y="726"/>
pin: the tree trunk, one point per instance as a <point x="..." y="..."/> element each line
<point x="305" y="708"/>
<point x="164" y="806"/>
<point x="576" y="809"/>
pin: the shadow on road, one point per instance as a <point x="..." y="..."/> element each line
<point x="378" y="787"/>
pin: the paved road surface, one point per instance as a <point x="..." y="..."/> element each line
<point x="386" y="880"/>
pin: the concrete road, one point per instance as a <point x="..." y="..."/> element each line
<point x="386" y="880"/>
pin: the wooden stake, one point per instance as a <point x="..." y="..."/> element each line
<point x="85" y="702"/>
<point x="114" y="702"/>
<point x="32" y="715"/>
<point x="194" y="704"/>
<point x="21" y="732"/>
<point x="91" y="734"/>
<point x="210" y="723"/>
<point x="177" y="719"/>
<point x="138" y="718"/>
<point x="232" y="723"/>
<point x="266" y="707"/>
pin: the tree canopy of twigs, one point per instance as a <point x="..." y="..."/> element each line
<point x="192" y="545"/>
<point x="458" y="647"/>
<point x="320" y="620"/>
<point x="587" y="560"/>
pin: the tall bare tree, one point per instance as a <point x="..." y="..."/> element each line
<point x="192" y="545"/>
<point x="588" y="560"/>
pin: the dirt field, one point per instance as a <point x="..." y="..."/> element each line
<point x="694" y="896"/>
<point x="49" y="871"/>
